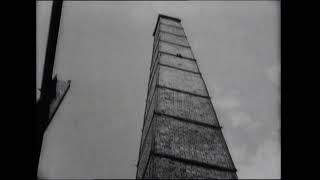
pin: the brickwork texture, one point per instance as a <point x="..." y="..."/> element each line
<point x="181" y="136"/>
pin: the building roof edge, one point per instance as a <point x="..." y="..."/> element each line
<point x="164" y="16"/>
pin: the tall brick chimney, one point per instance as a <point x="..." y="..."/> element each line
<point x="181" y="135"/>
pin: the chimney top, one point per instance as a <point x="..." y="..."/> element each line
<point x="167" y="17"/>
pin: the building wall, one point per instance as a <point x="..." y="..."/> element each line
<point x="169" y="169"/>
<point x="181" y="135"/>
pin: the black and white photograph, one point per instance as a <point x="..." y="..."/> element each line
<point x="158" y="89"/>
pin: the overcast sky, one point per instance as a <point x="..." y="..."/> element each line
<point x="105" y="48"/>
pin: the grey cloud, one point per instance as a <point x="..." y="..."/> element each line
<point x="264" y="164"/>
<point x="243" y="120"/>
<point x="273" y="73"/>
<point x="227" y="102"/>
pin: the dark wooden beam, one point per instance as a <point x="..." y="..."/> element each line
<point x="51" y="47"/>
<point x="50" y="98"/>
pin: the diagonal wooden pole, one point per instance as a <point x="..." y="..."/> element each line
<point x="50" y="98"/>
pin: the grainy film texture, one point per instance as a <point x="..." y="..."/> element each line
<point x="181" y="135"/>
